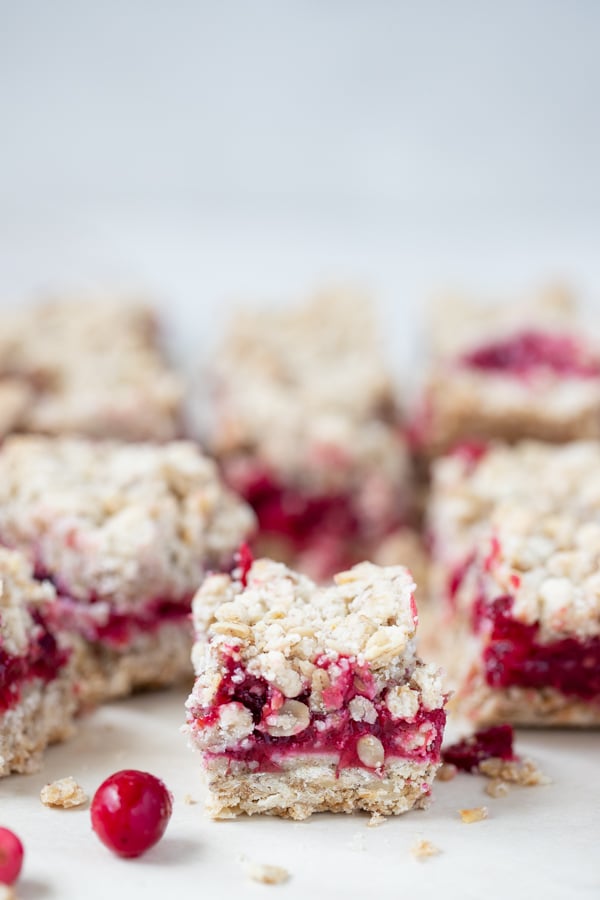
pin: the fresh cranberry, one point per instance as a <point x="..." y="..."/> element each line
<point x="496" y="741"/>
<point x="11" y="856"/>
<point x="130" y="812"/>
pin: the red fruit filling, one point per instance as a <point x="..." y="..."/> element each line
<point x="328" y="733"/>
<point x="531" y="351"/>
<point x="130" y="812"/>
<point x="11" y="856"/>
<point x="242" y="563"/>
<point x="456" y="578"/>
<point x="470" y="452"/>
<point x="117" y="629"/>
<point x="43" y="659"/>
<point x="323" y="530"/>
<point x="514" y="656"/>
<point x="284" y="511"/>
<point x="494" y="742"/>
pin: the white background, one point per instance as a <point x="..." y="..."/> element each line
<point x="213" y="152"/>
<point x="235" y="151"/>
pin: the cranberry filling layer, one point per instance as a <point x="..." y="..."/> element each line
<point x="532" y="351"/>
<point x="98" y="622"/>
<point x="494" y="742"/>
<point x="284" y="511"/>
<point x="43" y="659"/>
<point x="333" y="732"/>
<point x="514" y="656"/>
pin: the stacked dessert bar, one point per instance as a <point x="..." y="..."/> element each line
<point x="313" y="698"/>
<point x="307" y="432"/>
<point x="515" y="535"/>
<point x="37" y="687"/>
<point x="88" y="367"/>
<point x="125" y="533"/>
<point x="511" y="371"/>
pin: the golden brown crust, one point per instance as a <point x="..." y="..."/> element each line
<point x="318" y="787"/>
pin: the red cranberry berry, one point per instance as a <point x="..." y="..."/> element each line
<point x="130" y="812"/>
<point x="11" y="856"/>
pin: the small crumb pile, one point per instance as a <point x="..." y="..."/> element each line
<point x="265" y="874"/>
<point x="63" y="794"/>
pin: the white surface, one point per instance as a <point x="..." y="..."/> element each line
<point x="537" y="843"/>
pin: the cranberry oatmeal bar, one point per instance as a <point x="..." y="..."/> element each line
<point x="307" y="431"/>
<point x="534" y="658"/>
<point x="311" y="698"/>
<point x="125" y="532"/>
<point x="516" y="543"/>
<point x="528" y="370"/>
<point x="37" y="689"/>
<point x="89" y="367"/>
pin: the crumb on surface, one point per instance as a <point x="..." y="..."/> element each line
<point x="63" y="794"/>
<point x="375" y="820"/>
<point x="446" y="772"/>
<point x="475" y="814"/>
<point x="189" y="800"/>
<point x="524" y="772"/>
<point x="496" y="787"/>
<point x="266" y="874"/>
<point x="357" y="842"/>
<point x="423" y="849"/>
<point x="7" y="893"/>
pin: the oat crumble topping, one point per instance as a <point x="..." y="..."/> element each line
<point x="18" y="591"/>
<point x="281" y="621"/>
<point x="115" y="521"/>
<point x="309" y="395"/>
<point x="87" y="366"/>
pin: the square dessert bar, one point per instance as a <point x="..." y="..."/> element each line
<point x="37" y="689"/>
<point x="511" y="371"/>
<point x="308" y="432"/>
<point x="516" y="556"/>
<point x="125" y="533"/>
<point x="89" y="367"/>
<point x="535" y="620"/>
<point x="311" y="699"/>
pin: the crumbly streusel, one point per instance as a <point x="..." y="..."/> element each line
<point x="118" y="522"/>
<point x="306" y="391"/>
<point x="281" y="623"/>
<point x="63" y="794"/>
<point x="542" y="476"/>
<point x="549" y="564"/>
<point x="19" y="593"/>
<point x="87" y="365"/>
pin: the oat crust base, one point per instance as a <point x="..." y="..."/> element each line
<point x="43" y="716"/>
<point x="314" y="787"/>
<point x="153" y="660"/>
